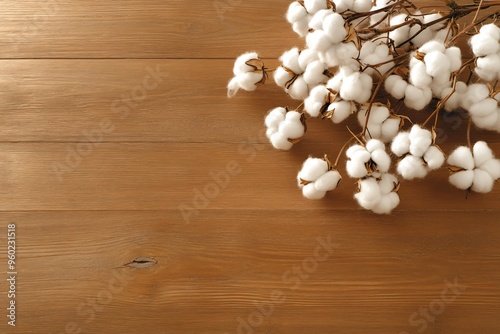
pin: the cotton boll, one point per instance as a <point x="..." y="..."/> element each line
<point x="492" y="167"/>
<point x="390" y="129"/>
<point x="367" y="49"/>
<point x="488" y="122"/>
<point x="301" y="27"/>
<point x="313" y="6"/>
<point x="316" y="100"/>
<point x="401" y="34"/>
<point x="280" y="142"/>
<point x="356" y="169"/>
<point x="401" y="144"/>
<point x="342" y="110"/>
<point x="454" y="55"/>
<point x="240" y="65"/>
<point x="282" y="76"/>
<point x="461" y="157"/>
<point x="482" y="153"/>
<point x="374" y="131"/>
<point x="382" y="159"/>
<point x="388" y="203"/>
<point x="292" y="126"/>
<point x="433" y="17"/>
<point x="312" y="169"/>
<point x="387" y="183"/>
<point x="343" y="5"/>
<point x="422" y="37"/>
<point x="317" y="19"/>
<point x="396" y="86"/>
<point x="369" y="194"/>
<point x="295" y="12"/>
<point x="290" y="59"/>
<point x="310" y="192"/>
<point x="314" y="73"/>
<point x="455" y="100"/>
<point x="333" y="25"/>
<point x="232" y="87"/>
<point x="485" y="73"/>
<point x="488" y="66"/>
<point x="411" y="167"/>
<point x="417" y="98"/>
<point x="419" y="76"/>
<point x="483" y="45"/>
<point x="462" y="180"/>
<point x="483" y="182"/>
<point x="375" y="144"/>
<point x="361" y="6"/>
<point x="420" y="141"/>
<point x="357" y="148"/>
<point x="432" y="46"/>
<point x="442" y="36"/>
<point x="483" y="108"/>
<point x="299" y="89"/>
<point x="491" y="30"/>
<point x="328" y="181"/>
<point x="248" y="81"/>
<point x="306" y="57"/>
<point x="275" y="117"/>
<point x="434" y="158"/>
<point x="346" y="54"/>
<point x="437" y="64"/>
<point x="356" y="87"/>
<point x="379" y="114"/>
<point x="318" y="40"/>
<point x="474" y="93"/>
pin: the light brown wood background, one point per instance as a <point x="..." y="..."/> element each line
<point x="65" y="68"/>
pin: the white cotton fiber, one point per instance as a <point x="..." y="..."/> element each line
<point x="341" y="110"/>
<point x="474" y="94"/>
<point x="463" y="179"/>
<point x="419" y="76"/>
<point x="247" y="81"/>
<point x="295" y="12"/>
<point x="437" y="64"/>
<point x="411" y="167"/>
<point x="310" y="192"/>
<point x="432" y="46"/>
<point x="417" y="98"/>
<point x="483" y="108"/>
<point x="333" y="26"/>
<point x="299" y="89"/>
<point x="369" y="194"/>
<point x="318" y="40"/>
<point x="454" y="55"/>
<point x="492" y="167"/>
<point x="420" y="140"/>
<point x="313" y="74"/>
<point x="283" y="127"/>
<point x="362" y="6"/>
<point x="290" y="59"/>
<point x="328" y="181"/>
<point x="462" y="157"/>
<point x="314" y="6"/>
<point x="482" y="153"/>
<point x="434" y="158"/>
<point x="312" y="169"/>
<point x="282" y="76"/>
<point x="483" y="45"/>
<point x="482" y="182"/>
<point x="382" y="159"/>
<point x="280" y="142"/>
<point x="378" y="194"/>
<point x="316" y="100"/>
<point x="374" y="144"/>
<point x="396" y="86"/>
<point x="275" y="118"/>
<point x="401" y="144"/>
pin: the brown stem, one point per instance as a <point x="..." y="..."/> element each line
<point x="342" y="151"/>
<point x="469" y="126"/>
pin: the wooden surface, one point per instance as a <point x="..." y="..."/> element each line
<point x="67" y="73"/>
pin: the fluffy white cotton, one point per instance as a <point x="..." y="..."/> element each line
<point x="483" y="45"/>
<point x="484" y="110"/>
<point x="365" y="160"/>
<point x="316" y="100"/>
<point x="352" y="85"/>
<point x="359" y="6"/>
<point x="400" y="34"/>
<point x="420" y="155"/>
<point x="417" y="98"/>
<point x="373" y="53"/>
<point x="396" y="86"/>
<point x="455" y="100"/>
<point x="299" y="14"/>
<point x="381" y="124"/>
<point x="378" y="193"/>
<point x="316" y="178"/>
<point x="248" y="72"/>
<point x="486" y="46"/>
<point x="299" y="72"/>
<point x="340" y="110"/>
<point x="476" y="170"/>
<point x="284" y="128"/>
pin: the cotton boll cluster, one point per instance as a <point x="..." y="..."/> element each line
<point x="300" y="13"/>
<point x="414" y="97"/>
<point x="455" y="100"/>
<point x="405" y="32"/>
<point x="248" y="73"/>
<point x="317" y="177"/>
<point x="359" y="6"/>
<point x="300" y="71"/>
<point x="326" y="103"/>
<point x="476" y="170"/>
<point x="382" y="124"/>
<point x="432" y="66"/>
<point x="373" y="53"/>
<point x="484" y="109"/>
<point x="378" y="193"/>
<point x="365" y="160"/>
<point x="336" y="42"/>
<point x="419" y="153"/>
<point x="284" y="128"/>
<point x="486" y="46"/>
<point x="352" y="85"/>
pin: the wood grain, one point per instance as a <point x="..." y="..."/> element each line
<point x="169" y="212"/>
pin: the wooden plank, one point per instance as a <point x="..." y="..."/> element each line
<point x="154" y="176"/>
<point x="43" y="102"/>
<point x="227" y="263"/>
<point x="145" y="29"/>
